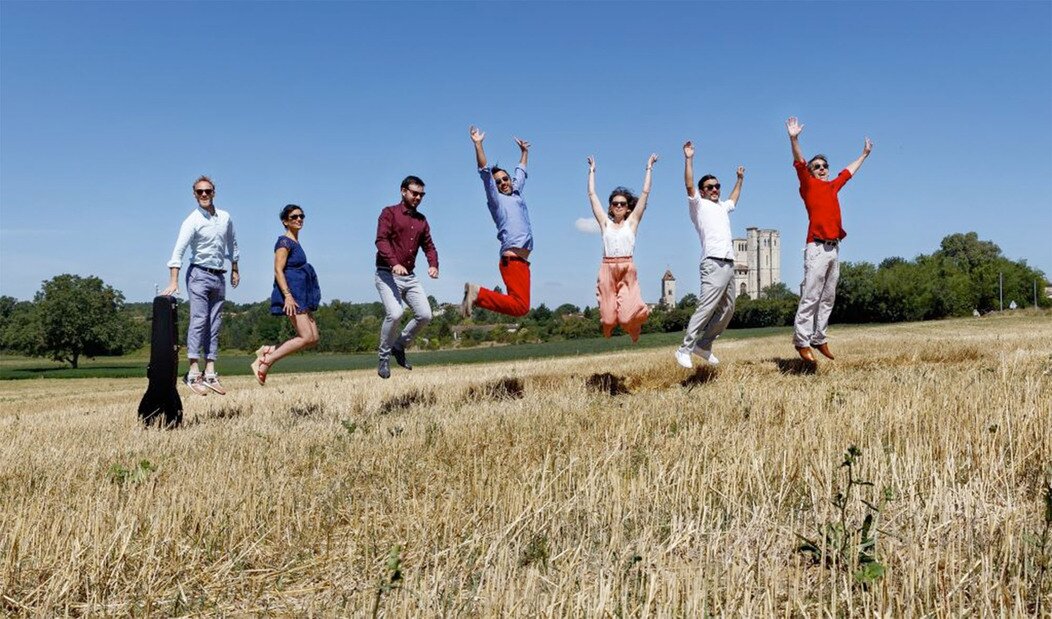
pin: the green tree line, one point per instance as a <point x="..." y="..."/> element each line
<point x="72" y="317"/>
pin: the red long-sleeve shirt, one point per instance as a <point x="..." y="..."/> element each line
<point x="820" y="200"/>
<point x="400" y="232"/>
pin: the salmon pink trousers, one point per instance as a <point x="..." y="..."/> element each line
<point x="620" y="302"/>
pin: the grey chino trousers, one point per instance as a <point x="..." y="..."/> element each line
<point x="715" y="304"/>
<point x="393" y="290"/>
<point x="817" y="293"/>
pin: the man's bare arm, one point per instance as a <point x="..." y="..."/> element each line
<point x="477" y="136"/>
<point x="794" y="128"/>
<point x="688" y="167"/>
<point x="737" y="191"/>
<point x="857" y="163"/>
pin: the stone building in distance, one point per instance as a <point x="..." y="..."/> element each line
<point x="757" y="261"/>
<point x="757" y="265"/>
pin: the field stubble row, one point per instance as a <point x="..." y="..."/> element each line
<point x="526" y="489"/>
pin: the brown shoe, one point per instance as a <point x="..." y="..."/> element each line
<point x="471" y="293"/>
<point x="824" y="349"/>
<point x="805" y="353"/>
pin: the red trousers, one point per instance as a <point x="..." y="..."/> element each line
<point x="516" y="274"/>
<point x="620" y="301"/>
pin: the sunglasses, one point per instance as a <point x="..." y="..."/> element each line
<point x="820" y="166"/>
<point x="299" y="216"/>
<point x="204" y="192"/>
<point x="711" y="187"/>
<point x="619" y="204"/>
<point x="416" y="194"/>
<point x="503" y="179"/>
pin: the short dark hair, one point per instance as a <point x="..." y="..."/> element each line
<point x="285" y="212"/>
<point x="625" y="193"/>
<point x="411" y="180"/>
<point x="496" y="169"/>
<point x="707" y="177"/>
<point x="816" y="158"/>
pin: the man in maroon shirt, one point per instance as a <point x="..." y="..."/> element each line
<point x="824" y="233"/>
<point x="400" y="232"/>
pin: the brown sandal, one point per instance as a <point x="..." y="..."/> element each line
<point x="261" y="360"/>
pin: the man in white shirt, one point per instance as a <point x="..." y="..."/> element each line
<point x="209" y="234"/>
<point x="716" y="302"/>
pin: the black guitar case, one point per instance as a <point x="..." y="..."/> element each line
<point x="162" y="397"/>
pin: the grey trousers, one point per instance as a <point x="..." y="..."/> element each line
<point x="817" y="293"/>
<point x="393" y="290"/>
<point x="715" y="304"/>
<point x="206" y="292"/>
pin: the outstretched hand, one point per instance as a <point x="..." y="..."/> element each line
<point x="741" y="172"/>
<point x="868" y="147"/>
<point x="793" y="126"/>
<point x="524" y="146"/>
<point x="652" y="160"/>
<point x="477" y="135"/>
<point x="591" y="163"/>
<point x="688" y="150"/>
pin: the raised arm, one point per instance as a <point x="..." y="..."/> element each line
<point x="637" y="213"/>
<point x="737" y="191"/>
<point x="477" y="136"/>
<point x="524" y="147"/>
<point x="857" y="163"/>
<point x="794" y="128"/>
<point x="688" y="167"/>
<point x="597" y="206"/>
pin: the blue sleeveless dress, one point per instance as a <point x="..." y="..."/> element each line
<point x="301" y="278"/>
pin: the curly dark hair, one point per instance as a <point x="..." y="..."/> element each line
<point x="627" y="194"/>
<point x="285" y="212"/>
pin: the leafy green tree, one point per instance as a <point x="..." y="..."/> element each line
<point x="690" y="301"/>
<point x="77" y="316"/>
<point x="778" y="292"/>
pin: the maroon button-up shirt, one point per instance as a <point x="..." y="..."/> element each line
<point x="400" y="232"/>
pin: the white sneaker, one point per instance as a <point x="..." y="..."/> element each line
<point x="683" y="358"/>
<point x="706" y="355"/>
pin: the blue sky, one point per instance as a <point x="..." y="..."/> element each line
<point x="108" y="111"/>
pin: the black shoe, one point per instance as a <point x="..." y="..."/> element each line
<point x="384" y="369"/>
<point x="399" y="355"/>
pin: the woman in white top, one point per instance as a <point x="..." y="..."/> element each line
<point x="617" y="289"/>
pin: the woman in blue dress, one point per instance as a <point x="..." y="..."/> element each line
<point x="296" y="294"/>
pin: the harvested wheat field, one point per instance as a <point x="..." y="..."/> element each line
<point x="551" y="489"/>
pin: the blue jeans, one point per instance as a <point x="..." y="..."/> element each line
<point x="393" y="290"/>
<point x="206" y="292"/>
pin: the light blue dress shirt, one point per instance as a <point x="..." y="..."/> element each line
<point x="509" y="211"/>
<point x="211" y="240"/>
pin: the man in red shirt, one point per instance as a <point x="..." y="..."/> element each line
<point x="824" y="233"/>
<point x="400" y="232"/>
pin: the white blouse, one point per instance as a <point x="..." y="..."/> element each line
<point x="618" y="241"/>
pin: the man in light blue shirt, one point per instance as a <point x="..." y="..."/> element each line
<point x="508" y="209"/>
<point x="209" y="234"/>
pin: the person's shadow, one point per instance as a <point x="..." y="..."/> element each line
<point x="799" y="367"/>
<point x="702" y="374"/>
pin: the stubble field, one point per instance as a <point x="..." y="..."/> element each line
<point x="535" y="488"/>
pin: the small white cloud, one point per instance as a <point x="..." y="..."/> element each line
<point x="587" y="225"/>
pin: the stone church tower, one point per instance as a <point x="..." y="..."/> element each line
<point x="757" y="261"/>
<point x="668" y="289"/>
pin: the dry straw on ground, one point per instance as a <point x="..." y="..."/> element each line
<point x="528" y="489"/>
